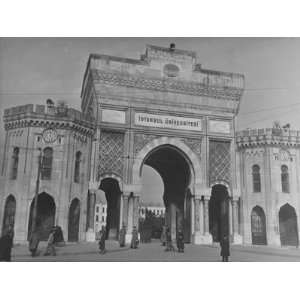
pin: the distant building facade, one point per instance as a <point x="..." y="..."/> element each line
<point x="165" y="111"/>
<point x="157" y="211"/>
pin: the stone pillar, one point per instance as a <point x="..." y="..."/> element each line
<point x="237" y="238"/>
<point x="90" y="235"/>
<point x="197" y="221"/>
<point x="136" y="200"/>
<point x="125" y="210"/>
<point x="130" y="213"/>
<point x="207" y="238"/>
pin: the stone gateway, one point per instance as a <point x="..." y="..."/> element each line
<point x="167" y="112"/>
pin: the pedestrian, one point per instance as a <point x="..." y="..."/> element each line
<point x="102" y="238"/>
<point x="50" y="250"/>
<point x="122" y="235"/>
<point x="180" y="241"/>
<point x="169" y="244"/>
<point x="6" y="244"/>
<point x="134" y="239"/>
<point x="34" y="243"/>
<point x="163" y="237"/>
<point x="225" y="252"/>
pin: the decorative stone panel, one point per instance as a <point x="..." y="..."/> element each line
<point x="219" y="161"/>
<point x="194" y="145"/>
<point x="111" y="153"/>
<point x="141" y="140"/>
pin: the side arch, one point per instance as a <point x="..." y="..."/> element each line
<point x="258" y="226"/>
<point x="288" y="226"/>
<point x="9" y="213"/>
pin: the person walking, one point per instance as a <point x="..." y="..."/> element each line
<point x="163" y="237"/>
<point x="134" y="239"/>
<point x="34" y="243"/>
<point x="122" y="235"/>
<point x="6" y="244"/>
<point x="102" y="238"/>
<point x="225" y="251"/>
<point x="169" y="244"/>
<point x="50" y="250"/>
<point x="180" y="241"/>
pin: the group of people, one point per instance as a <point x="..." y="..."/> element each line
<point x="101" y="237"/>
<point x="166" y="240"/>
<point x="55" y="237"/>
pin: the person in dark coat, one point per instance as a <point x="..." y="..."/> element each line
<point x="180" y="241"/>
<point x="163" y="237"/>
<point x="6" y="244"/>
<point x="225" y="251"/>
<point x="122" y="235"/>
<point x="169" y="244"/>
<point x="102" y="238"/>
<point x="50" y="250"/>
<point x="134" y="239"/>
<point x="34" y="243"/>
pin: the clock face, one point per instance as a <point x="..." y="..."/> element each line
<point x="49" y="135"/>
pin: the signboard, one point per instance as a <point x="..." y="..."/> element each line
<point x="165" y="121"/>
<point x="219" y="126"/>
<point x="113" y="116"/>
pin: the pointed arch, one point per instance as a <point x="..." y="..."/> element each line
<point x="258" y="226"/>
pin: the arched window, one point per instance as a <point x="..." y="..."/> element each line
<point x="256" y="179"/>
<point x="285" y="179"/>
<point x="15" y="162"/>
<point x="46" y="169"/>
<point x="77" y="167"/>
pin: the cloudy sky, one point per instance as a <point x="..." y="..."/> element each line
<point x="34" y="69"/>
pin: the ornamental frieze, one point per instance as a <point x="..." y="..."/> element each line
<point x="194" y="145"/>
<point x="168" y="85"/>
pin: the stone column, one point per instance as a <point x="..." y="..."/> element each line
<point x="207" y="238"/>
<point x="125" y="210"/>
<point x="136" y="200"/>
<point x="237" y="238"/>
<point x="197" y="226"/>
<point x="130" y="214"/>
<point x="90" y="235"/>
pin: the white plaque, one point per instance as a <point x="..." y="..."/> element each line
<point x="165" y="121"/>
<point x="219" y="126"/>
<point x="113" y="116"/>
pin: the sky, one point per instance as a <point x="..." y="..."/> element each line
<point x="34" y="69"/>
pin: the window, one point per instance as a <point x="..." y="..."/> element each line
<point x="256" y="179"/>
<point x="15" y="162"/>
<point x="77" y="167"/>
<point x="102" y="218"/>
<point x="285" y="179"/>
<point x="103" y="209"/>
<point x="46" y="168"/>
<point x="97" y="209"/>
<point x="97" y="218"/>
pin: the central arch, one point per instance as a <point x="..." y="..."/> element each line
<point x="177" y="165"/>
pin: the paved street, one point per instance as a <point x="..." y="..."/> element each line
<point x="155" y="252"/>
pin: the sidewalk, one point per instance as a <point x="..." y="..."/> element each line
<point x="155" y="252"/>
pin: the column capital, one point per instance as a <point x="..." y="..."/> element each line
<point x="206" y="197"/>
<point x="235" y="199"/>
<point x="94" y="185"/>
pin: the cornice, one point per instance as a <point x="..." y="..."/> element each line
<point x="168" y="85"/>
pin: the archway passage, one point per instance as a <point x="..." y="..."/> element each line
<point x="258" y="226"/>
<point x="288" y="226"/>
<point x="45" y="218"/>
<point x="9" y="214"/>
<point x="219" y="212"/>
<point x="174" y="169"/>
<point x="73" y="223"/>
<point x="112" y="191"/>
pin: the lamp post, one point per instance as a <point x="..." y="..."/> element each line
<point x="35" y="201"/>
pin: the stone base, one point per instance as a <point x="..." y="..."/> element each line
<point x="90" y="236"/>
<point x="200" y="239"/>
<point x="274" y="240"/>
<point x="237" y="239"/>
<point x="128" y="238"/>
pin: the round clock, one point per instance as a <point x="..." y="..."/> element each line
<point x="49" y="135"/>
